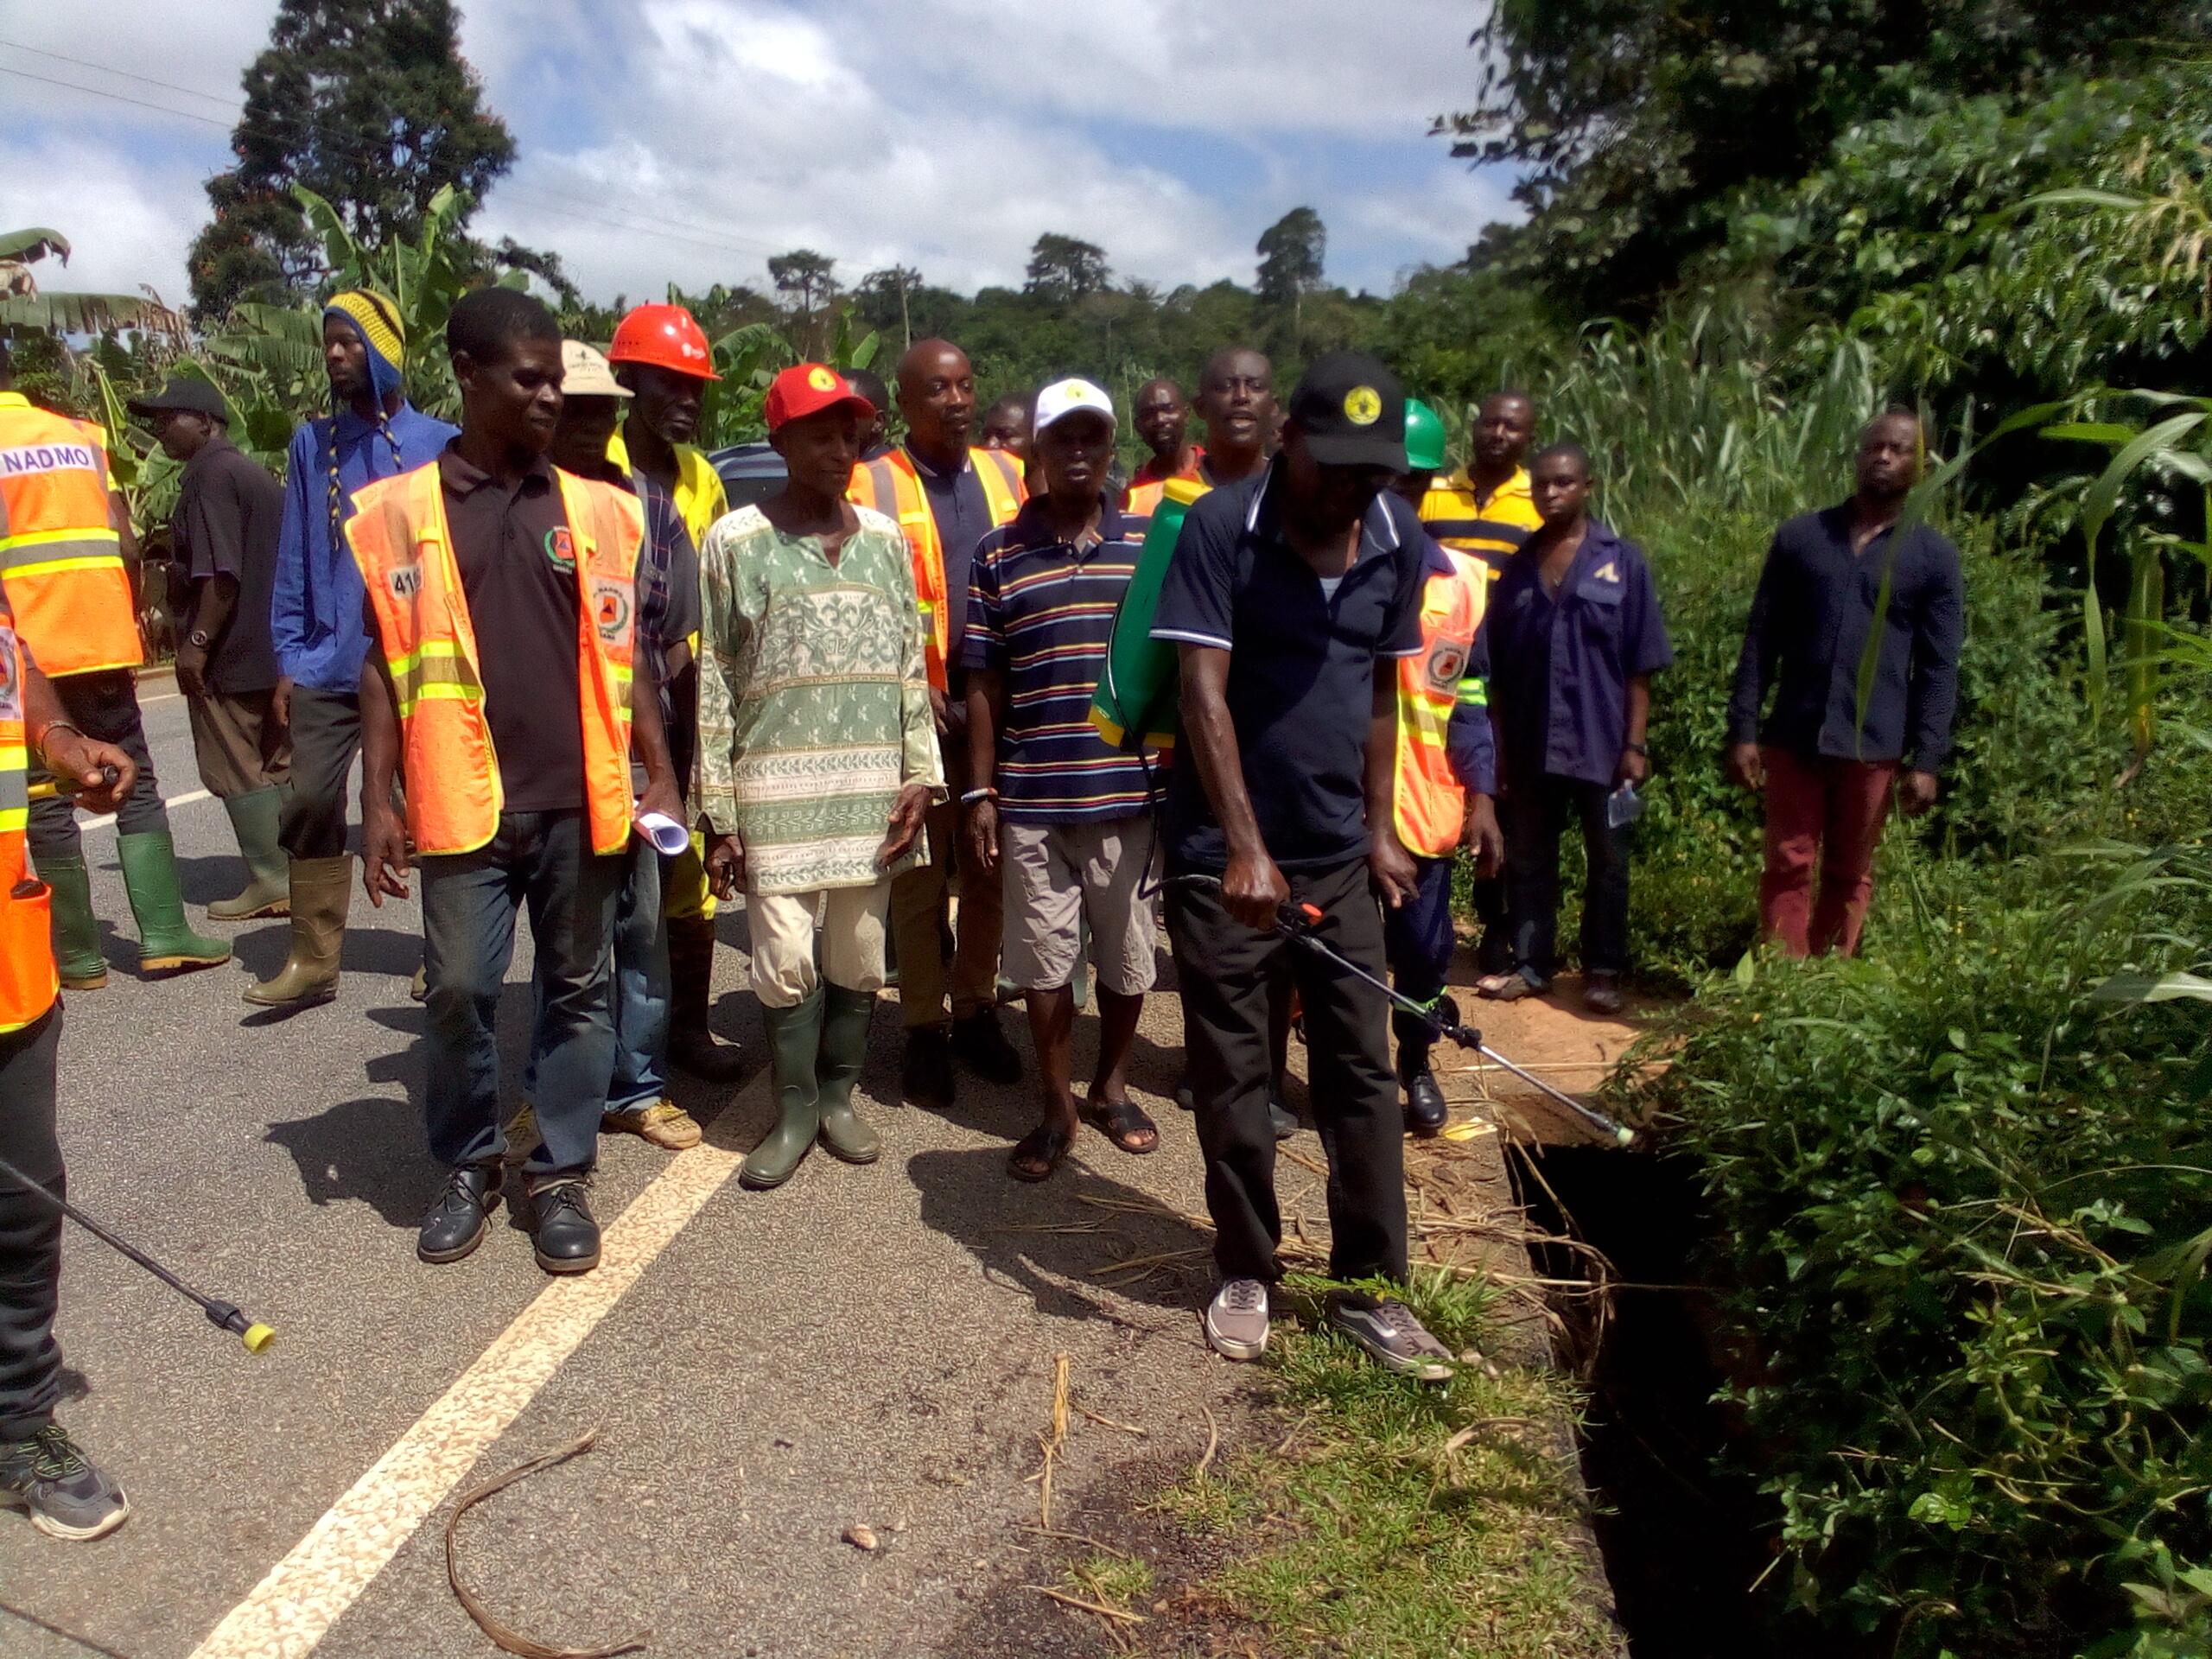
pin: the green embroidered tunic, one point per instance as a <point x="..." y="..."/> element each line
<point x="814" y="702"/>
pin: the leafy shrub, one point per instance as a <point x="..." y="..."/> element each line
<point x="1959" y="1198"/>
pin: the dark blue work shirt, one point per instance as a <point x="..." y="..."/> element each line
<point x="1301" y="667"/>
<point x="1809" y="621"/>
<point x="1559" y="667"/>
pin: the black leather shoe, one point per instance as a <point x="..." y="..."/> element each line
<point x="1425" y="1110"/>
<point x="454" y="1222"/>
<point x="925" y="1079"/>
<point x="1281" y="1118"/>
<point x="692" y="1050"/>
<point x="563" y="1228"/>
<point x="982" y="1045"/>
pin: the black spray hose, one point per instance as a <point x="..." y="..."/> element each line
<point x="222" y="1315"/>
<point x="1297" y="921"/>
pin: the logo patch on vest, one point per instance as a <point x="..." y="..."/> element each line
<point x="1447" y="664"/>
<point x="405" y="581"/>
<point x="610" y="606"/>
<point x="561" y="548"/>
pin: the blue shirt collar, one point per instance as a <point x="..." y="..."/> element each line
<point x="1263" y="517"/>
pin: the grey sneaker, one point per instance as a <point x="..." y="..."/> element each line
<point x="67" y="1495"/>
<point x="1236" y="1322"/>
<point x="1388" y="1330"/>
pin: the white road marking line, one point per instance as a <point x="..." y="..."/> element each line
<point x="185" y="800"/>
<point x="304" y="1594"/>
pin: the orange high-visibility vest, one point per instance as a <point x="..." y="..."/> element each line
<point x="60" y="556"/>
<point x="1428" y="802"/>
<point x="893" y="487"/>
<point x="28" y="979"/>
<point x="402" y="543"/>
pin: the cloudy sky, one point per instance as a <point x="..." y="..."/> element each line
<point x="686" y="140"/>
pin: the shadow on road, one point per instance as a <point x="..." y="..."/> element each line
<point x="370" y="1149"/>
<point x="1075" y="1227"/>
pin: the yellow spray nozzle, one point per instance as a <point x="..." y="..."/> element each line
<point x="256" y="1338"/>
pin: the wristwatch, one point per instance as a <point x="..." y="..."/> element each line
<point x="1638" y="748"/>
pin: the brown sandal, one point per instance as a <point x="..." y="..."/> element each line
<point x="1121" y="1121"/>
<point x="1038" y="1154"/>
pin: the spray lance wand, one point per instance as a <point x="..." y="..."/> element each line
<point x="224" y="1316"/>
<point x="1441" y="1014"/>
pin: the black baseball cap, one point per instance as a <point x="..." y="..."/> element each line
<point x="184" y="391"/>
<point x="1352" y="411"/>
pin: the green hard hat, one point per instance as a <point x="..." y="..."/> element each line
<point x="1424" y="438"/>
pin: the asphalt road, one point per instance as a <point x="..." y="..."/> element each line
<point x="865" y="1346"/>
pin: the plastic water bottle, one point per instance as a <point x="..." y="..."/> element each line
<point x="1623" y="806"/>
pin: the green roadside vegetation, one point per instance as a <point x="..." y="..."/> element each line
<point x="1402" y="1520"/>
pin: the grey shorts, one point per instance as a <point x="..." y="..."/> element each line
<point x="1061" y="874"/>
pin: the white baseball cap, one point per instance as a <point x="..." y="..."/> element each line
<point x="585" y="373"/>
<point x="1065" y="397"/>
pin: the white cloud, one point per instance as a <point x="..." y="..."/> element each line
<point x="686" y="140"/>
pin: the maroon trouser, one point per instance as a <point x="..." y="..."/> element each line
<point x="1824" y="811"/>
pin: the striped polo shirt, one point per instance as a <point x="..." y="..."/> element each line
<point x="1040" y="612"/>
<point x="1492" y="531"/>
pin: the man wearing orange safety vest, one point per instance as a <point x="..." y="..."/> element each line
<point x="661" y="356"/>
<point x="41" y="1467"/>
<point x="1446" y="777"/>
<point x="501" y="599"/>
<point x="65" y="557"/>
<point x="945" y="497"/>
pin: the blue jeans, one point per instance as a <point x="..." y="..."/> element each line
<point x="641" y="987"/>
<point x="469" y="903"/>
<point x="1418" y="940"/>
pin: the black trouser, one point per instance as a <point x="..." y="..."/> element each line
<point x="1494" y="951"/>
<point x="1224" y="968"/>
<point x="1534" y="815"/>
<point x="325" y="736"/>
<point x="30" y="1230"/>
<point x="1418" y="939"/>
<point x="105" y="707"/>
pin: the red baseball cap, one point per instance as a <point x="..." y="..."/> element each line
<point x="810" y="388"/>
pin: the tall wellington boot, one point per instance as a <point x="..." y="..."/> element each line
<point x="76" y="930"/>
<point x="268" y="885"/>
<point x="148" y="859"/>
<point x="844" y="1047"/>
<point x="691" y="1043"/>
<point x="795" y="1040"/>
<point x="321" y="890"/>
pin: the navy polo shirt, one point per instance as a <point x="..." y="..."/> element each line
<point x="1559" y="668"/>
<point x="1301" y="667"/>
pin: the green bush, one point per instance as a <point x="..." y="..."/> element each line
<point x="1958" y="1193"/>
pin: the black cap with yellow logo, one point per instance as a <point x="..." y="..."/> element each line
<point x="1352" y="411"/>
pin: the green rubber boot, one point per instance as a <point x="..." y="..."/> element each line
<point x="795" y="1039"/>
<point x="844" y="1047"/>
<point x="76" y="930"/>
<point x="254" y="817"/>
<point x="149" y="876"/>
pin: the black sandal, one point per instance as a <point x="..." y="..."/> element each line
<point x="1118" y="1119"/>
<point x="1038" y="1154"/>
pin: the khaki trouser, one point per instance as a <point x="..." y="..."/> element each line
<point x="841" y="926"/>
<point x="919" y="922"/>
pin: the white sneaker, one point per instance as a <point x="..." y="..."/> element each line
<point x="1236" y="1321"/>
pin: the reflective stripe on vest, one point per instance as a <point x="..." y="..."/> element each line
<point x="60" y="558"/>
<point x="401" y="541"/>
<point x="1428" y="802"/>
<point x="28" y="980"/>
<point x="890" y="485"/>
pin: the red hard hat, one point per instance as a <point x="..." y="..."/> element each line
<point x="666" y="337"/>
